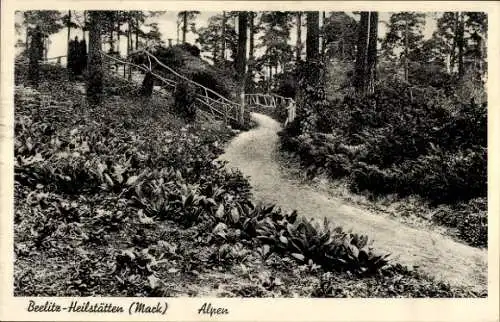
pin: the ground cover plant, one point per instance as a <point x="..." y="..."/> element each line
<point x="126" y="199"/>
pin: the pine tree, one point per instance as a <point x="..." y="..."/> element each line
<point x="366" y="56"/>
<point x="95" y="72"/>
<point x="298" y="44"/>
<point x="187" y="17"/>
<point x="241" y="60"/>
<point x="35" y="55"/>
<point x="405" y="31"/>
<point x="312" y="41"/>
<point x="276" y="27"/>
<point x="340" y="36"/>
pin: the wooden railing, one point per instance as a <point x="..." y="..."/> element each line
<point x="52" y="60"/>
<point x="219" y="106"/>
<point x="216" y="104"/>
<point x="272" y="101"/>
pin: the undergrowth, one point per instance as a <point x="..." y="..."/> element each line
<point x="402" y="140"/>
<point x="126" y="199"/>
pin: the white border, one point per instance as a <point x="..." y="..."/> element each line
<point x="185" y="309"/>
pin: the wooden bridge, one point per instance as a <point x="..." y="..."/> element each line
<point x="211" y="101"/>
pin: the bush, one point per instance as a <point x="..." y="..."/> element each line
<point x="192" y="49"/>
<point x="185" y="60"/>
<point x="431" y="75"/>
<point x="469" y="219"/>
<point x="211" y="80"/>
<point x="287" y="85"/>
<point x="402" y="140"/>
<point x="185" y="101"/>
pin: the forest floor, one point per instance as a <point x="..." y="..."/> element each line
<point x="255" y="153"/>
<point x="87" y="222"/>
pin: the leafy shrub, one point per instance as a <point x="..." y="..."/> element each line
<point x="431" y="75"/>
<point x="305" y="240"/>
<point x="192" y="49"/>
<point x="210" y="80"/>
<point x="473" y="223"/>
<point x="184" y="59"/>
<point x="470" y="220"/>
<point x="47" y="71"/>
<point x="287" y="85"/>
<point x="185" y="101"/>
<point x="403" y="140"/>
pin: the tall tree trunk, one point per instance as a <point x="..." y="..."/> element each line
<point x="136" y="33"/>
<point x="366" y="58"/>
<point x="178" y="31"/>
<point x="147" y="85"/>
<point x="118" y="37"/>
<point x="372" y="52"/>
<point x="214" y="53"/>
<point x="251" y="45"/>
<point x="128" y="39"/>
<point x="223" y="44"/>
<point x="461" y="45"/>
<point x="453" y="55"/>
<point x="112" y="31"/>
<point x="184" y="26"/>
<point x="45" y="46"/>
<point x="241" y="58"/>
<point x="323" y="38"/>
<point x="84" y="24"/>
<point x="252" y="35"/>
<point x="94" y="80"/>
<point x="26" y="41"/>
<point x="35" y="55"/>
<point x="362" y="47"/>
<point x="298" y="44"/>
<point x="270" y="78"/>
<point x="69" y="30"/>
<point x="129" y="48"/>
<point x="406" y="49"/>
<point x="312" y="41"/>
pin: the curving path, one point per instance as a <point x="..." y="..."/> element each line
<point x="253" y="152"/>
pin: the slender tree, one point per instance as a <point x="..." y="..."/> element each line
<point x="298" y="44"/>
<point x="184" y="26"/>
<point x="251" y="21"/>
<point x="241" y="56"/>
<point x="366" y="57"/>
<point x="35" y="55"/>
<point x="276" y="27"/>
<point x="323" y="38"/>
<point x="312" y="41"/>
<point x="340" y="35"/>
<point x="371" y="60"/>
<point x="95" y="72"/>
<point x="223" y="37"/>
<point x="405" y="30"/>
<point x="69" y="27"/>
<point x="361" y="55"/>
<point x="251" y="49"/>
<point x="186" y="17"/>
<point x="460" y="44"/>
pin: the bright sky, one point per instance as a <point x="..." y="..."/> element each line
<point x="167" y="24"/>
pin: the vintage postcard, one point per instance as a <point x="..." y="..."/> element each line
<point x="249" y="160"/>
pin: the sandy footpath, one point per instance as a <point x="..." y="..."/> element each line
<point x="254" y="152"/>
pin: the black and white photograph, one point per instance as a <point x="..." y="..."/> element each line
<point x="250" y="154"/>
